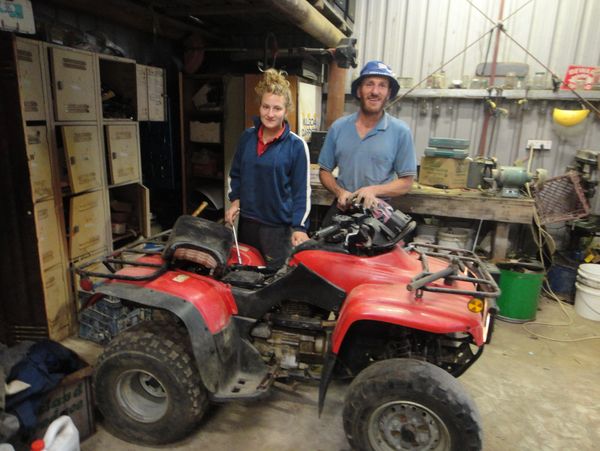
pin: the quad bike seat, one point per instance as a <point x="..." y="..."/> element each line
<point x="200" y="241"/>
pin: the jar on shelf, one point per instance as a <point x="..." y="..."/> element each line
<point x="539" y="81"/>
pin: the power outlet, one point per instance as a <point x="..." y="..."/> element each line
<point x="539" y="144"/>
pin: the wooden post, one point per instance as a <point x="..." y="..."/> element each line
<point x="335" y="93"/>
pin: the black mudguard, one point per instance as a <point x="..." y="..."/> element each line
<point x="213" y="353"/>
<point x="298" y="284"/>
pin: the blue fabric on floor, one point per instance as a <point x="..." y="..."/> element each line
<point x="46" y="363"/>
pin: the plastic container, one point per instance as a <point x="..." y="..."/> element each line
<point x="455" y="238"/>
<point x="562" y="279"/>
<point x="587" y="302"/>
<point x="424" y="239"/>
<point x="560" y="233"/>
<point x="589" y="271"/>
<point x="520" y="294"/>
<point x="61" y="435"/>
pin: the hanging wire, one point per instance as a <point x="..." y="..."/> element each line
<point x="581" y="98"/>
<point x="398" y="99"/>
<point x="517" y="10"/>
<point x="481" y="12"/>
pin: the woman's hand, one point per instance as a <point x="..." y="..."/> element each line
<point x="233" y="212"/>
<point x="299" y="237"/>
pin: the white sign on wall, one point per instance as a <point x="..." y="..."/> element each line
<point x="17" y="15"/>
<point x="309" y="109"/>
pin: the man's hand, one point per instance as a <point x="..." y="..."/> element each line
<point x="367" y="195"/>
<point x="233" y="212"/>
<point x="344" y="200"/>
<point x="299" y="237"/>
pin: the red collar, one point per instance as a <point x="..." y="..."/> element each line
<point x="262" y="147"/>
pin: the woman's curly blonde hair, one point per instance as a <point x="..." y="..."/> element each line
<point x="274" y="82"/>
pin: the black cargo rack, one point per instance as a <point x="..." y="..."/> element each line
<point x="129" y="256"/>
<point x="463" y="265"/>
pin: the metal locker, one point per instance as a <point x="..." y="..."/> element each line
<point x="142" y="92"/>
<point x="83" y="156"/>
<point x="123" y="153"/>
<point x="156" y="94"/>
<point x="48" y="234"/>
<point x="38" y="156"/>
<point x="73" y="85"/>
<point x="29" y="68"/>
<point x="88" y="224"/>
<point x="59" y="310"/>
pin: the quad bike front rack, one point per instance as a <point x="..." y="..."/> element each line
<point x="463" y="266"/>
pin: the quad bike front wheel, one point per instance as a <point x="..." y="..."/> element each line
<point x="147" y="386"/>
<point x="405" y="404"/>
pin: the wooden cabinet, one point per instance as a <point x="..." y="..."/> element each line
<point x="122" y="145"/>
<point x="34" y="269"/>
<point x="31" y="85"/>
<point x="150" y="93"/>
<point x="38" y="156"/>
<point x="70" y="168"/>
<point x="88" y="224"/>
<point x="48" y="232"/>
<point x="73" y="85"/>
<point x="212" y="120"/>
<point x="83" y="156"/>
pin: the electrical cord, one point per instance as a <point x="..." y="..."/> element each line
<point x="539" y="240"/>
<point x="569" y="322"/>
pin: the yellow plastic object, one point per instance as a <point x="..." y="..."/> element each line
<point x="475" y="305"/>
<point x="569" y="118"/>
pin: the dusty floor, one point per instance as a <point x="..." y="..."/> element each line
<point x="533" y="394"/>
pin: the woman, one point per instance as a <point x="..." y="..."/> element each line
<point x="269" y="177"/>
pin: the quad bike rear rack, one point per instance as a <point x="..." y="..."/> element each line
<point x="463" y="266"/>
<point x="129" y="256"/>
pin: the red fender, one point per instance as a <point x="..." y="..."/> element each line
<point x="394" y="304"/>
<point x="202" y="292"/>
<point x="250" y="256"/>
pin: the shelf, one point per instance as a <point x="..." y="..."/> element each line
<point x="207" y="110"/>
<point x="532" y="94"/>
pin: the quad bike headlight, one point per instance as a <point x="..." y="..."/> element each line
<point x="475" y="305"/>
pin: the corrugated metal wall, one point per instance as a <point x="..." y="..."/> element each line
<point x="416" y="36"/>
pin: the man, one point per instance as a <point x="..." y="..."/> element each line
<point x="374" y="151"/>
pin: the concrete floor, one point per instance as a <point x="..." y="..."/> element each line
<point x="533" y="394"/>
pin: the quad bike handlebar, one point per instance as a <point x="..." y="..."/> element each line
<point x="367" y="231"/>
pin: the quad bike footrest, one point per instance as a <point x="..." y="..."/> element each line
<point x="246" y="385"/>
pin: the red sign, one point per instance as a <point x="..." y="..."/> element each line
<point x="582" y="77"/>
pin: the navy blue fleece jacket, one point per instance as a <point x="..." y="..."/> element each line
<point x="273" y="188"/>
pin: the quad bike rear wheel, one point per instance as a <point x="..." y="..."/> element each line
<point x="405" y="404"/>
<point x="147" y="385"/>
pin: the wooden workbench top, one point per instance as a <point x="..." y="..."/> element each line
<point x="456" y="203"/>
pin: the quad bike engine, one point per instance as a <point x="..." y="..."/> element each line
<point x="293" y="336"/>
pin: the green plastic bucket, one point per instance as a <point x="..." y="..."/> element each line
<point x="519" y="296"/>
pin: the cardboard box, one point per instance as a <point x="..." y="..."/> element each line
<point x="314" y="174"/>
<point x="72" y="397"/>
<point x="449" y="172"/>
<point x="205" y="132"/>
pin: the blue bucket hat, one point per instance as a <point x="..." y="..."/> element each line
<point x="379" y="69"/>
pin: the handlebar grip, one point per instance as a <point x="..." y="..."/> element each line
<point x="323" y="233"/>
<point x="416" y="284"/>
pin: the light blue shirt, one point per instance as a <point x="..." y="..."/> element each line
<point x="385" y="153"/>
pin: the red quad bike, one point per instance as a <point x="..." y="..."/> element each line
<point x="350" y="303"/>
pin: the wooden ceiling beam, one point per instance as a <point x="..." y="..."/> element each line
<point x="135" y="16"/>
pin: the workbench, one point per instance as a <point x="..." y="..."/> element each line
<point x="458" y="203"/>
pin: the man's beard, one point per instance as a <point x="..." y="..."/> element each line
<point x="367" y="108"/>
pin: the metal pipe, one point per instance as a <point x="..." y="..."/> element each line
<point x="309" y="19"/>
<point x="305" y="16"/>
<point x="488" y="113"/>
